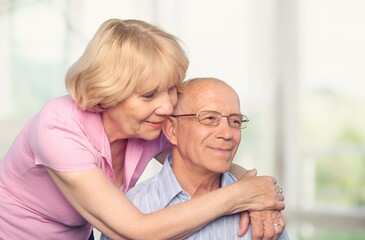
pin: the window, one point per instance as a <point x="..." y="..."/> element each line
<point x="331" y="130"/>
<point x="296" y="64"/>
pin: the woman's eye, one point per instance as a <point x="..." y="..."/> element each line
<point x="172" y="89"/>
<point x="149" y="95"/>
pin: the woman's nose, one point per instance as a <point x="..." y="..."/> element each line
<point x="166" y="106"/>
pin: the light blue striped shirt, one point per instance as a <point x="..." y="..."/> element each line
<point x="163" y="190"/>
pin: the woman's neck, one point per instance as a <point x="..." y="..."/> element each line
<point x="118" y="149"/>
<point x="111" y="128"/>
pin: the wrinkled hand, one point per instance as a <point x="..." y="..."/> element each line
<point x="266" y="225"/>
<point x="259" y="193"/>
<point x="245" y="218"/>
<point x="262" y="221"/>
<point x="244" y="223"/>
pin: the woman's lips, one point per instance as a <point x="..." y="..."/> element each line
<point x="157" y="124"/>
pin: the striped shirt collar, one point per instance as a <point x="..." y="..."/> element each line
<point x="171" y="186"/>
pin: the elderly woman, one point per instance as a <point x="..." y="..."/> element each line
<point x="67" y="167"/>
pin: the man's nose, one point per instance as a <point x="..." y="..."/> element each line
<point x="224" y="129"/>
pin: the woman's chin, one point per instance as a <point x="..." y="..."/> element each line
<point x="151" y="135"/>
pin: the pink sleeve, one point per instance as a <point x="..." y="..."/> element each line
<point x="59" y="142"/>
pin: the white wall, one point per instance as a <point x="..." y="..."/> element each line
<point x="275" y="53"/>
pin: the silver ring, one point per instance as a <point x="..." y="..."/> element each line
<point x="277" y="224"/>
<point x="280" y="190"/>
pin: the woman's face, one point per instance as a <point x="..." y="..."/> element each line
<point x="140" y="116"/>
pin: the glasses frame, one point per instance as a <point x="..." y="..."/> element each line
<point x="244" y="120"/>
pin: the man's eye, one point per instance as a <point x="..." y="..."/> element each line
<point x="235" y="120"/>
<point x="211" y="118"/>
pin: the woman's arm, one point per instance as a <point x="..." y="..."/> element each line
<point x="113" y="214"/>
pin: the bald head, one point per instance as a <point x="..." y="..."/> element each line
<point x="202" y="91"/>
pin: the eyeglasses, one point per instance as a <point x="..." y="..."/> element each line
<point x="213" y="118"/>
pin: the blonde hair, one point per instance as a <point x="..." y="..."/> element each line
<point x="125" y="57"/>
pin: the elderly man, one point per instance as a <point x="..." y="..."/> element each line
<point x="205" y="132"/>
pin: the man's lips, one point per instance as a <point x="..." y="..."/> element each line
<point x="223" y="149"/>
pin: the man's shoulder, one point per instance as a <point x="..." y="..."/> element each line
<point x="146" y="195"/>
<point x="227" y="179"/>
<point x="149" y="186"/>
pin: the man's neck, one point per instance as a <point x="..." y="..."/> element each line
<point x="194" y="181"/>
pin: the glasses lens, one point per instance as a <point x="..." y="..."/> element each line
<point x="209" y="118"/>
<point x="235" y="120"/>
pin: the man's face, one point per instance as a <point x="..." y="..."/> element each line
<point x="207" y="149"/>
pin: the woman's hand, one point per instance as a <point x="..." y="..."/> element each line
<point x="265" y="224"/>
<point x="258" y="193"/>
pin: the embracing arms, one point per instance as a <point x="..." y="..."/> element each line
<point x="100" y="203"/>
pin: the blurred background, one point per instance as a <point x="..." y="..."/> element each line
<point x="298" y="66"/>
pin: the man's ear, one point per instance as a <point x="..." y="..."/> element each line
<point x="168" y="129"/>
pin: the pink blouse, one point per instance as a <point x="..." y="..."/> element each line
<point x="66" y="139"/>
